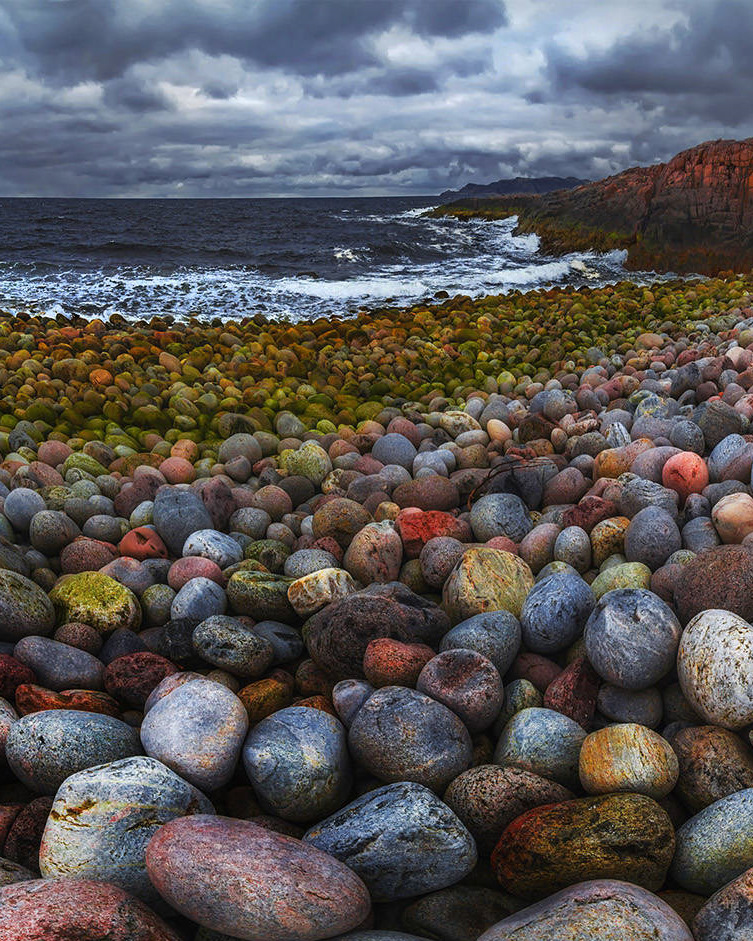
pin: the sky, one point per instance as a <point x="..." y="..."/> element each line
<point x="358" y="97"/>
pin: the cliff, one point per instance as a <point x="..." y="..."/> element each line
<point x="692" y="214"/>
<point x="518" y="184"/>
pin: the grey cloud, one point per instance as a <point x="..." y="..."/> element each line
<point x="100" y="39"/>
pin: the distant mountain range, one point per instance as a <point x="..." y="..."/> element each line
<point x="691" y="214"/>
<point x="519" y="184"/>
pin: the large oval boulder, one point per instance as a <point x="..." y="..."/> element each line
<point x="237" y="878"/>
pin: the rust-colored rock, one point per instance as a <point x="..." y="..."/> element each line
<point x="573" y="692"/>
<point x="132" y="677"/>
<point x="33" y="698"/>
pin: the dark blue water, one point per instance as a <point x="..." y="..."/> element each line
<point x="295" y="259"/>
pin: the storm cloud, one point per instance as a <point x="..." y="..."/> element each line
<point x="357" y="97"/>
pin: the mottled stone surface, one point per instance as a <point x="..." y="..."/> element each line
<point x="495" y="634"/>
<point x="236" y="877"/>
<point x="631" y="638"/>
<point x="400" y="839"/>
<point x="311" y="593"/>
<point x="401" y="735"/>
<point x="458" y="913"/>
<point x="228" y="644"/>
<point x="603" y="909"/>
<point x="616" y="836"/>
<point x="489" y="797"/>
<point x="728" y="914"/>
<point x="715" y="668"/>
<point x="298" y="763"/>
<point x="466" y="682"/>
<point x="628" y="757"/>
<point x="25" y="609"/>
<point x="60" y="666"/>
<point x="44" y="748"/>
<point x="716" y="845"/>
<point x="103" y="818"/>
<point x="713" y="763"/>
<point x="555" y="612"/>
<point x="544" y="742"/>
<point x="76" y="910"/>
<point x="97" y="600"/>
<point x="486" y="580"/>
<point x="197" y="730"/>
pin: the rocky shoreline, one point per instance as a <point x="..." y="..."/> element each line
<point x="430" y="624"/>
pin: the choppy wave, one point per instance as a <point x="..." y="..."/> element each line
<point x="284" y="259"/>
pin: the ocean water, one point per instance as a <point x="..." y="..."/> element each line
<point x="297" y="259"/>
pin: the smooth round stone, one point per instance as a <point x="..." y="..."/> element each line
<point x="197" y="731"/>
<point x="311" y="593"/>
<point x="340" y="519"/>
<point x="213" y="545"/>
<point x="156" y="603"/>
<point x="394" y="449"/>
<point x="309" y="461"/>
<point x="487" y="798"/>
<point x="537" y="548"/>
<point x="298" y="763"/>
<point x="44" y="748"/>
<point x="228" y="644"/>
<point x="500" y="514"/>
<point x="643" y="706"/>
<point x="466" y="682"/>
<point x="51" y="530"/>
<point x="699" y="534"/>
<point x="543" y="742"/>
<point x="627" y="757"/>
<point x="715" y="668"/>
<point x="236" y="877"/>
<point x="716" y="845"/>
<point x="97" y="600"/>
<point x="555" y="612"/>
<point x="728" y="914"/>
<point x="199" y="599"/>
<point x="400" y="734"/>
<point x="573" y="546"/>
<point x="60" y="666"/>
<point x="240" y="445"/>
<point x="631" y="638"/>
<point x="21" y="505"/>
<point x="25" y="609"/>
<point x="713" y="763"/>
<point x="76" y="910"/>
<point x="177" y="513"/>
<point x="401" y="839"/>
<point x="615" y="836"/>
<point x="251" y="521"/>
<point x="733" y="517"/>
<point x="685" y="473"/>
<point x="348" y="696"/>
<point x="375" y="554"/>
<point x="103" y="818"/>
<point x="305" y="561"/>
<point x="287" y="643"/>
<point x="603" y="909"/>
<point x="652" y="537"/>
<point x="519" y="694"/>
<point x="486" y="580"/>
<point x="494" y="634"/>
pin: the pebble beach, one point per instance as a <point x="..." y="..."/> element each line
<point x="427" y="624"/>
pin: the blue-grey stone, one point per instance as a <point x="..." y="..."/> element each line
<point x="298" y="763"/>
<point x="543" y="741"/>
<point x="494" y="634"/>
<point x="652" y="537"/>
<point x="632" y="638"/>
<point x="305" y="561"/>
<point x="44" y="748"/>
<point x="400" y="734"/>
<point x="213" y="545"/>
<point x="500" y="514"/>
<point x="197" y="730"/>
<point x="21" y="505"/>
<point x="394" y="449"/>
<point x="177" y="513"/>
<point x="555" y="612"/>
<point x="103" y="819"/>
<point x="287" y="643"/>
<point x="400" y="839"/>
<point x="699" y="534"/>
<point x="59" y="666"/>
<point x="25" y="609"/>
<point x="716" y="845"/>
<point x="199" y="599"/>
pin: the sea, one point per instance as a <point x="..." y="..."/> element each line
<point x="293" y="259"/>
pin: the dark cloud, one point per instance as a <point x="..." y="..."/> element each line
<point x="100" y="39"/>
<point x="133" y="95"/>
<point x="701" y="67"/>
